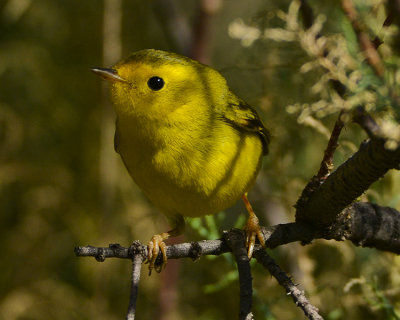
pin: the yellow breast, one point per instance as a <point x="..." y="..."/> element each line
<point x="190" y="176"/>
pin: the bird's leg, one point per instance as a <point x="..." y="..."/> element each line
<point x="252" y="228"/>
<point x="157" y="244"/>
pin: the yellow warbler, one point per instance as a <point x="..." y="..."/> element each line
<point x="187" y="140"/>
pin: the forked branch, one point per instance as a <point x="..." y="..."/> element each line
<point x="365" y="224"/>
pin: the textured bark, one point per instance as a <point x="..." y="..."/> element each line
<point x="369" y="225"/>
<point x="365" y="224"/>
<point x="236" y="240"/>
<point x="322" y="207"/>
<point x="298" y="296"/>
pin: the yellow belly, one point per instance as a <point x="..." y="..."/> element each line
<point x="187" y="178"/>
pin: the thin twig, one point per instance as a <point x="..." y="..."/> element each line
<point x="327" y="161"/>
<point x="284" y="280"/>
<point x="136" y="249"/>
<point x="236" y="240"/>
<point x="326" y="164"/>
<point x="368" y="47"/>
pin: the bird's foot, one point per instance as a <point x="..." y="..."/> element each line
<point x="156" y="245"/>
<point x="253" y="230"/>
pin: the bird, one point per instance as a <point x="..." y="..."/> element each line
<point x="191" y="145"/>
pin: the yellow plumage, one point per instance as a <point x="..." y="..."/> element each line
<point x="189" y="143"/>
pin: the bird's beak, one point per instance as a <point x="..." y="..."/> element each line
<point x="108" y="74"/>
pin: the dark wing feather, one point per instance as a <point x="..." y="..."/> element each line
<point x="244" y="117"/>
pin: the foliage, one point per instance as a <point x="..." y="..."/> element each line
<point x="52" y="145"/>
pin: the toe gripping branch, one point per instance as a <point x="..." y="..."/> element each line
<point x="252" y="228"/>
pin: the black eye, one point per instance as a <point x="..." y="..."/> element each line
<point x="155" y="83"/>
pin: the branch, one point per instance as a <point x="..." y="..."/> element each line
<point x="369" y="225"/>
<point x="327" y="162"/>
<point x="236" y="241"/>
<point x="325" y="167"/>
<point x="348" y="182"/>
<point x="321" y="202"/>
<point x="193" y="250"/>
<point x="363" y="223"/>
<point x="298" y="295"/>
<point x="136" y="250"/>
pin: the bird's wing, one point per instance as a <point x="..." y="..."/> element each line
<point x="244" y="117"/>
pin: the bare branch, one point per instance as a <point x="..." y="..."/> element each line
<point x="321" y="202"/>
<point x="327" y="161"/>
<point x="193" y="250"/>
<point x="114" y="250"/>
<point x="284" y="280"/>
<point x="363" y="223"/>
<point x="236" y="240"/>
<point x="326" y="164"/>
<point x="348" y="182"/>
<point x="136" y="250"/>
<point x="369" y="225"/>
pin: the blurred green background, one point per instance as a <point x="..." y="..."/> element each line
<point x="62" y="184"/>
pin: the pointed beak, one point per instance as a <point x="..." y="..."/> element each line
<point x="108" y="74"/>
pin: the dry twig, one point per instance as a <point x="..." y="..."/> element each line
<point x="284" y="280"/>
<point x="236" y="241"/>
<point x="136" y="250"/>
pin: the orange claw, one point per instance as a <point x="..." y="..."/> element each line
<point x="252" y="228"/>
<point x="156" y="245"/>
